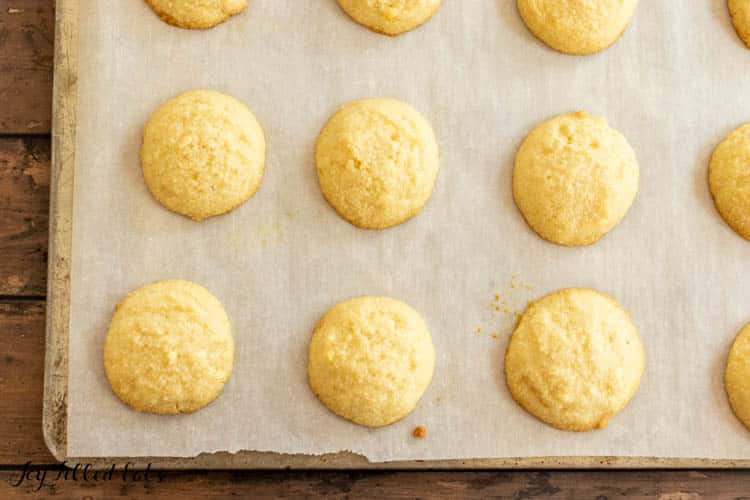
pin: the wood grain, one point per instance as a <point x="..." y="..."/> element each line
<point x="24" y="203"/>
<point x="26" y="42"/>
<point x="21" y="378"/>
<point x="672" y="485"/>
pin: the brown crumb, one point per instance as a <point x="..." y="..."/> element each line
<point x="419" y="432"/>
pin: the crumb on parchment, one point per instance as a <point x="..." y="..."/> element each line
<point x="507" y="307"/>
<point x="419" y="432"/>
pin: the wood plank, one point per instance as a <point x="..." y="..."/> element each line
<point x="24" y="205"/>
<point x="672" y="485"/>
<point x="21" y="381"/>
<point x="26" y="43"/>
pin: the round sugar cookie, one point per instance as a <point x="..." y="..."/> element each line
<point x="390" y="17"/>
<point x="740" y="12"/>
<point x="729" y="179"/>
<point x="377" y="162"/>
<point x="169" y="348"/>
<point x="370" y="360"/>
<point x="574" y="360"/>
<point x="574" y="179"/>
<point x="737" y="376"/>
<point x="196" y="14"/>
<point x="203" y="154"/>
<point x="577" y="26"/>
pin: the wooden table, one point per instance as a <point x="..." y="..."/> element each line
<point x="26" y="47"/>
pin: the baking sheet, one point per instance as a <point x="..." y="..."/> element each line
<point x="674" y="85"/>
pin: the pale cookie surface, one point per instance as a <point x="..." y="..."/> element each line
<point x="577" y="26"/>
<point x="203" y="154"/>
<point x="737" y="376"/>
<point x="729" y="179"/>
<point x="574" y="360"/>
<point x="169" y="348"/>
<point x="196" y="14"/>
<point x="377" y="162"/>
<point x="390" y="17"/>
<point x="370" y="360"/>
<point x="574" y="179"/>
<point x="740" y="12"/>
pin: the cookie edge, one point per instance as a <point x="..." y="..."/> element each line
<point x="172" y="21"/>
<point x="392" y="33"/>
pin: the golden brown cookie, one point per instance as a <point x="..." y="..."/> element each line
<point x="574" y="360"/>
<point x="203" y="154"/>
<point x="740" y="12"/>
<point x="169" y="348"/>
<point x="574" y="179"/>
<point x="577" y="26"/>
<point x="729" y="179"/>
<point x="737" y="376"/>
<point x="377" y="162"/>
<point x="370" y="360"/>
<point x="196" y="14"/>
<point x="390" y="17"/>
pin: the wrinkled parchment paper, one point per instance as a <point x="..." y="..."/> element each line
<point x="674" y="85"/>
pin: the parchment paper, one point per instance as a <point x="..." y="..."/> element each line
<point x="674" y="85"/>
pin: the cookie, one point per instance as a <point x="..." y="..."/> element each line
<point x="577" y="26"/>
<point x="729" y="179"/>
<point x="196" y="14"/>
<point x="169" y="348"/>
<point x="377" y="162"/>
<point x="370" y="360"/>
<point x="737" y="376"/>
<point x="203" y="154"/>
<point x="574" y="179"/>
<point x="574" y="360"/>
<point x="390" y="17"/>
<point x="740" y="12"/>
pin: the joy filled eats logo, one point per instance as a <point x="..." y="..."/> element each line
<point x="39" y="476"/>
